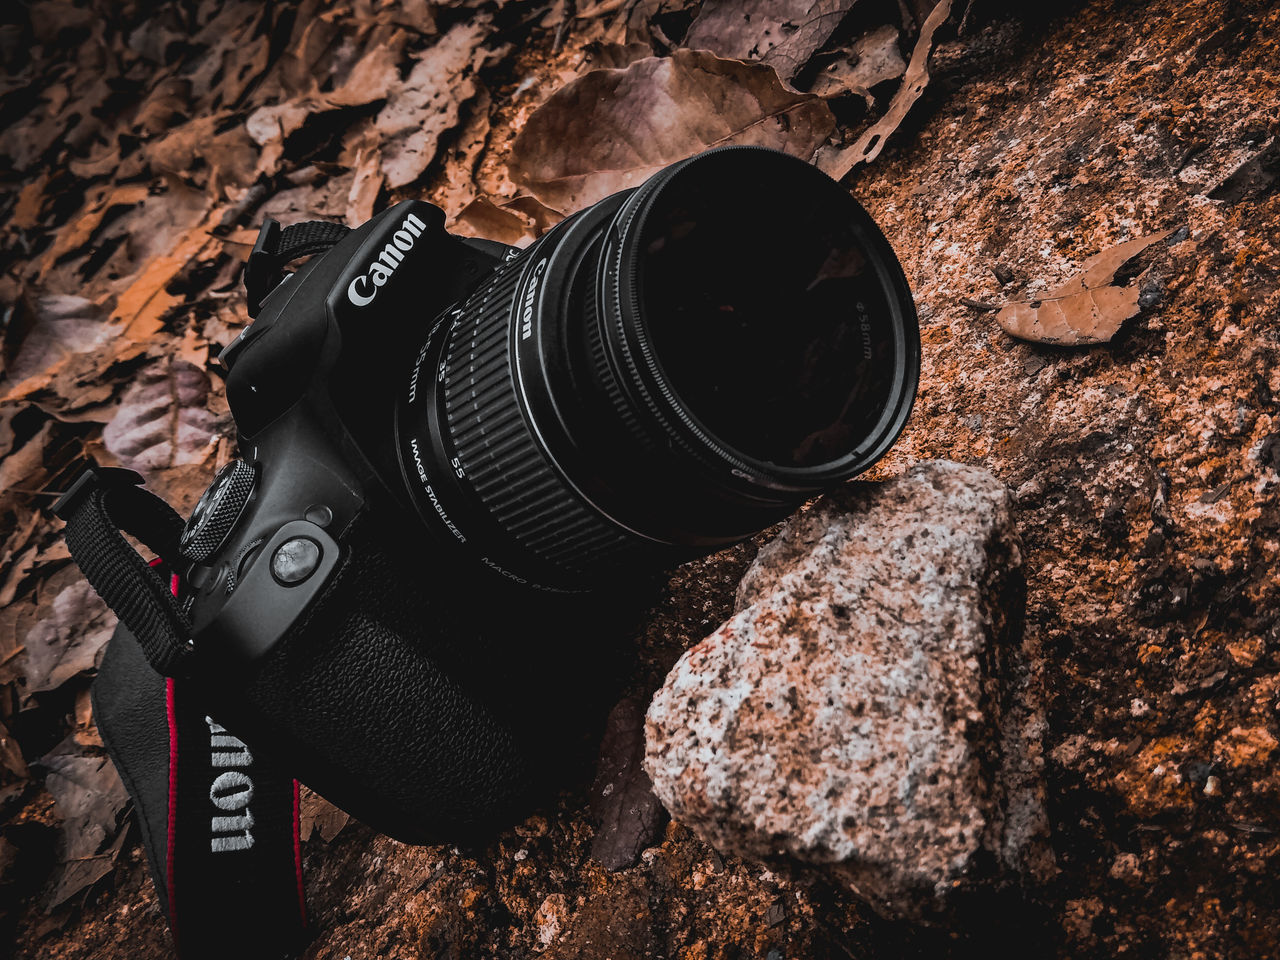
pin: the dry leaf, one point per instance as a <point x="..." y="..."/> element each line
<point x="318" y="815"/>
<point x="365" y="187"/>
<point x="145" y="302"/>
<point x="610" y="129"/>
<point x="781" y="33"/>
<point x="483" y="218"/>
<point x="628" y="815"/>
<point x="1085" y="309"/>
<point x="461" y="158"/>
<point x="872" y="59"/>
<point x="837" y="163"/>
<point x="68" y="639"/>
<point x="427" y="105"/>
<point x="77" y="235"/>
<point x="64" y="326"/>
<point x="90" y="798"/>
<point x="11" y="760"/>
<point x="162" y="420"/>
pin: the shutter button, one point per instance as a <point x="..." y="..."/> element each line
<point x="295" y="560"/>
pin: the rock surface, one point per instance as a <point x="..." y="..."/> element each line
<point x="866" y="708"/>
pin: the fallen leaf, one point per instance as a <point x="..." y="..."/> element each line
<point x="461" y="158"/>
<point x="365" y="187"/>
<point x="144" y="303"/>
<point x="78" y="234"/>
<point x="64" y="325"/>
<point x="427" y="105"/>
<point x="90" y="798"/>
<point x="31" y="201"/>
<point x="781" y="33"/>
<point x="837" y="163"/>
<point x="318" y="815"/>
<point x="1085" y="309"/>
<point x="871" y="59"/>
<point x="11" y="761"/>
<point x="67" y="639"/>
<point x="610" y="129"/>
<point x="484" y="218"/>
<point x="162" y="420"/>
<point x="375" y="73"/>
<point x="628" y="815"/>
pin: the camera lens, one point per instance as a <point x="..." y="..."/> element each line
<point x="664" y="373"/>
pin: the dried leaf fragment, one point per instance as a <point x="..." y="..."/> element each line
<point x="630" y="817"/>
<point x="838" y="163"/>
<point x="872" y="59"/>
<point x="610" y="129"/>
<point x="781" y="33"/>
<point x="162" y="420"/>
<point x="68" y="638"/>
<point x="1085" y="309"/>
<point x="90" y="797"/>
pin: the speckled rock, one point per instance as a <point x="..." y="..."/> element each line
<point x="870" y="707"/>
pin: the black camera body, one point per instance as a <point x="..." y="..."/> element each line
<point x="461" y="462"/>
<point x="305" y="581"/>
<point x="309" y="387"/>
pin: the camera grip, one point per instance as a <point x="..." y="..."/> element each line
<point x="373" y="701"/>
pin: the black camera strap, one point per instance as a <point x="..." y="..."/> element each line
<point x="276" y="247"/>
<point x="218" y="821"/>
<point x="100" y="504"/>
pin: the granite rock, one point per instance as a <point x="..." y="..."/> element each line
<point x="870" y="709"/>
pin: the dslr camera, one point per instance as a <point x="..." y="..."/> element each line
<point x="450" y="450"/>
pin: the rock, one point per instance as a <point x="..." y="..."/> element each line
<point x="871" y="708"/>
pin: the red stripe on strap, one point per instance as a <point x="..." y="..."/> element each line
<point x="297" y="851"/>
<point x="171" y="845"/>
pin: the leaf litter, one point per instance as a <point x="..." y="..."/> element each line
<point x="149" y="142"/>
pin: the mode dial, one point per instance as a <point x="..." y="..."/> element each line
<point x="217" y="511"/>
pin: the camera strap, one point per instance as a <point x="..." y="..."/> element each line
<point x="219" y="822"/>
<point x="276" y="247"/>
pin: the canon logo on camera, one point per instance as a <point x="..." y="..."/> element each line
<point x="380" y="270"/>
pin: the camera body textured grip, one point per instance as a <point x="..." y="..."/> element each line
<point x="369" y="701"/>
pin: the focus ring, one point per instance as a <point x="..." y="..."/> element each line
<point x="498" y="451"/>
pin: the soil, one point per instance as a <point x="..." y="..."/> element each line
<point x="1146" y="473"/>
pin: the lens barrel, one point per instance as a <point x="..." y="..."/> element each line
<point x="662" y="374"/>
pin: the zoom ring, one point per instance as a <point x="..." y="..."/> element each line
<point x="497" y="450"/>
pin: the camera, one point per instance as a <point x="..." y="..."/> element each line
<point x="451" y="449"/>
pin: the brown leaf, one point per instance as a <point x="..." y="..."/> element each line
<point x="11" y="761"/>
<point x="872" y="59"/>
<point x="145" y="301"/>
<point x="64" y="325"/>
<point x="365" y="187"/>
<point x="837" y="163"/>
<point x="781" y="33"/>
<point x="427" y="105"/>
<point x="375" y="74"/>
<point x="483" y="218"/>
<point x="31" y="200"/>
<point x="1085" y="309"/>
<point x="67" y="639"/>
<point x="610" y="129"/>
<point x="77" y="234"/>
<point x="461" y="158"/>
<point x="630" y="817"/>
<point x="91" y="799"/>
<point x="318" y="815"/>
<point x="162" y="420"/>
